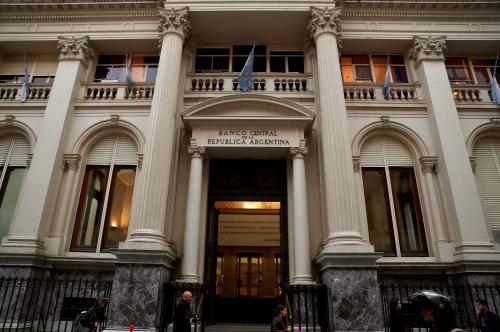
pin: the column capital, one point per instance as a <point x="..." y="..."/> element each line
<point x="75" y="48"/>
<point x="195" y="150"/>
<point x="299" y="152"/>
<point x="427" y="48"/>
<point x="429" y="164"/>
<point x="175" y="21"/>
<point x="71" y="162"/>
<point x="324" y="19"/>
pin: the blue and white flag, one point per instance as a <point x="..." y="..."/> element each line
<point x="128" y="74"/>
<point x="387" y="81"/>
<point x="245" y="76"/>
<point x="495" y="90"/>
<point x="25" y="89"/>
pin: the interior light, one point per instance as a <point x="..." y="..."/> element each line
<point x="114" y="224"/>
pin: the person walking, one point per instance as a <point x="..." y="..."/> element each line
<point x="183" y="316"/>
<point x="279" y="322"/>
<point x="488" y="321"/>
<point x="90" y="320"/>
<point x="396" y="319"/>
<point x="436" y="310"/>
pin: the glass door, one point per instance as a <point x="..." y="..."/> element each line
<point x="249" y="275"/>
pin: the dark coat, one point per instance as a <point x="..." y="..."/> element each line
<point x="87" y="320"/>
<point x="182" y="317"/>
<point x="277" y="324"/>
<point x="488" y="322"/>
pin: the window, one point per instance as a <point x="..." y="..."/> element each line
<point x="286" y="62"/>
<point x="212" y="60"/>
<point x="392" y="201"/>
<point x="487" y="155"/>
<point x="13" y="157"/>
<point x="483" y="69"/>
<point x="359" y="68"/>
<point x="12" y="78"/>
<point x="106" y="195"/>
<point x="43" y="79"/>
<point x="112" y="68"/>
<point x="458" y="70"/>
<point x="240" y="56"/>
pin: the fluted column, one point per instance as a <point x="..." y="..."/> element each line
<point x="302" y="259"/>
<point x="340" y="196"/>
<point x="149" y="218"/>
<point x="189" y="267"/>
<point x="36" y="203"/>
<point x="469" y="224"/>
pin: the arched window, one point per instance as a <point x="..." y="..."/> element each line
<point x="13" y="158"/>
<point x="392" y="201"/>
<point x="487" y="155"/>
<point x="106" y="195"/>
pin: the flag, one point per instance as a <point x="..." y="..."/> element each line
<point x="495" y="90"/>
<point x="387" y="81"/>
<point x="245" y="76"/>
<point x="25" y="89"/>
<point x="128" y="74"/>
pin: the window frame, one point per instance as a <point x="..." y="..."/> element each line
<point x="123" y="66"/>
<point x="372" y="65"/>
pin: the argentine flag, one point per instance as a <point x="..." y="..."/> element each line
<point x="25" y="89"/>
<point x="128" y="74"/>
<point x="245" y="76"/>
<point x="495" y="90"/>
<point x="387" y="81"/>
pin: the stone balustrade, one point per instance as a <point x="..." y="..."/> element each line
<point x="372" y="91"/>
<point x="263" y="82"/>
<point x="468" y="93"/>
<point x="36" y="92"/>
<point x="118" y="91"/>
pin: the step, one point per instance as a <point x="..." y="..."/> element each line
<point x="238" y="328"/>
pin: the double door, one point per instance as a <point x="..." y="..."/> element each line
<point x="249" y="275"/>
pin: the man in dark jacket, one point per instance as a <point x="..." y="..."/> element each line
<point x="488" y="321"/>
<point x="183" y="316"/>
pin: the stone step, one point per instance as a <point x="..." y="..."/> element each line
<point x="238" y="328"/>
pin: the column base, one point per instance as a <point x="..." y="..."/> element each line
<point x="13" y="244"/>
<point x="303" y="280"/>
<point x="354" y="291"/>
<point x="139" y="276"/>
<point x="189" y="278"/>
<point x="346" y="242"/>
<point x="476" y="254"/>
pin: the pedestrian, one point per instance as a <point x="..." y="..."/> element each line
<point x="90" y="320"/>
<point x="436" y="310"/>
<point x="183" y="316"/>
<point x="488" y="321"/>
<point x="280" y="320"/>
<point x="396" y="319"/>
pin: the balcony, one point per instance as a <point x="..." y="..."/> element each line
<point x="373" y="92"/>
<point x="471" y="93"/>
<point x="12" y="92"/>
<point x="117" y="91"/>
<point x="267" y="83"/>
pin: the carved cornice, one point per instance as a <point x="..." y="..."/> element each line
<point x="325" y="19"/>
<point x="75" y="48"/>
<point x="427" y="48"/>
<point x="71" y="162"/>
<point x="429" y="165"/>
<point x="174" y="21"/>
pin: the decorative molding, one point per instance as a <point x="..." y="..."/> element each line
<point x="325" y="19"/>
<point x="427" y="48"/>
<point x="429" y="164"/>
<point x="473" y="164"/>
<point x="301" y="151"/>
<point x="114" y="118"/>
<point x="140" y="160"/>
<point x="495" y="122"/>
<point x="174" y="21"/>
<point x="76" y="16"/>
<point x="71" y="162"/>
<point x="9" y="118"/>
<point x="195" y="150"/>
<point x="356" y="164"/>
<point x="28" y="160"/>
<point x="75" y="48"/>
<point x="385" y="119"/>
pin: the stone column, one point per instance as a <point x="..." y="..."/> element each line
<point x="469" y="224"/>
<point x="340" y="196"/>
<point x="346" y="260"/>
<point x="302" y="259"/>
<point x="36" y="203"/>
<point x="189" y="267"/>
<point x="147" y="229"/>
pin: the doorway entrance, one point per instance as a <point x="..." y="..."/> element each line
<point x="246" y="248"/>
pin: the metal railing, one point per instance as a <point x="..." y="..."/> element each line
<point x="462" y="296"/>
<point x="171" y="296"/>
<point x="46" y="304"/>
<point x="308" y="305"/>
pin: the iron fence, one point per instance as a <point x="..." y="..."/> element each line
<point x="46" y="304"/>
<point x="308" y="305"/>
<point x="463" y="301"/>
<point x="171" y="296"/>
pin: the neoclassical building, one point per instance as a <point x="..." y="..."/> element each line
<point x="136" y="157"/>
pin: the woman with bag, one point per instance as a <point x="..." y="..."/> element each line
<point x="89" y="320"/>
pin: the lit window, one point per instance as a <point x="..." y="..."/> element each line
<point x="356" y="68"/>
<point x="487" y="155"/>
<point x="391" y="196"/>
<point x="106" y="196"/>
<point x="359" y="68"/>
<point x="112" y="68"/>
<point x="13" y="157"/>
<point x="458" y="70"/>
